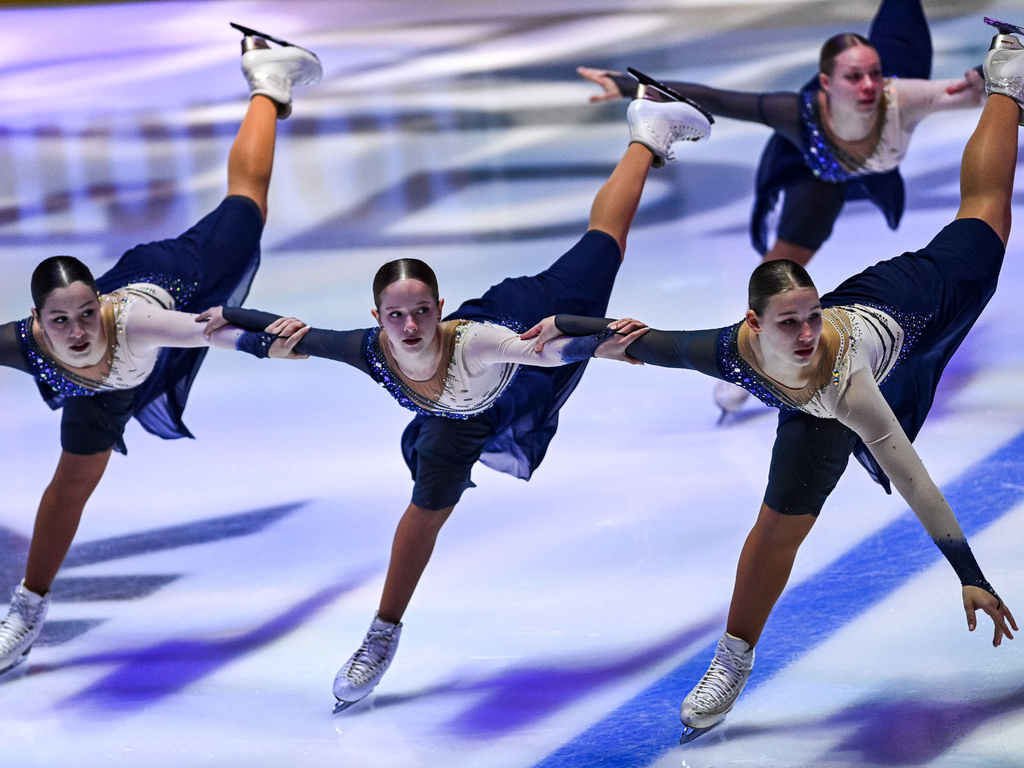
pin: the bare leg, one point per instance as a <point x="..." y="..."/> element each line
<point x="987" y="169"/>
<point x="791" y="251"/>
<point x="252" y="154"/>
<point x="410" y="553"/>
<point x="60" y="511"/>
<point x="765" y="565"/>
<point x="617" y="201"/>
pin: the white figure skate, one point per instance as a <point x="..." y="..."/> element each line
<point x="367" y="666"/>
<point x="272" y="72"/>
<point x="713" y="697"/>
<point x="21" y="627"/>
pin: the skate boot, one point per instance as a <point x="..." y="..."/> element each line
<point x="729" y="397"/>
<point x="659" y="117"/>
<point x="1004" y="64"/>
<point x="22" y="626"/>
<point x="367" y="665"/>
<point x="272" y="72"/>
<point x="712" y="698"/>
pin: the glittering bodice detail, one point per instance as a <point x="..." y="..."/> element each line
<point x="127" y="369"/>
<point x="458" y="394"/>
<point x="855" y="336"/>
<point x="829" y="162"/>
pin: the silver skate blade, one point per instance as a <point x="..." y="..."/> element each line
<point x="1003" y="27"/>
<point x="341" y="706"/>
<point x="690" y="733"/>
<point x="255" y="33"/>
<point x="646" y="81"/>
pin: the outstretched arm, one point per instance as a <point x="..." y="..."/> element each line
<point x="10" y="350"/>
<point x="863" y="409"/>
<point x="920" y="98"/>
<point x="489" y="344"/>
<point x="150" y="327"/>
<point x="780" y="110"/>
<point x="695" y="350"/>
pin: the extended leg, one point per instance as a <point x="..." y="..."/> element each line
<point x="617" y="201"/>
<point x="60" y="512"/>
<point x="765" y="564"/>
<point x="989" y="162"/>
<point x="252" y="154"/>
<point x="410" y="553"/>
<point x="56" y="523"/>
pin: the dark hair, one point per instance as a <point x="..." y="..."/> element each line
<point x="58" y="272"/>
<point x="404" y="269"/>
<point x="772" y="278"/>
<point x="837" y="45"/>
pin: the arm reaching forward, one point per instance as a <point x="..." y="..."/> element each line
<point x="863" y="409"/>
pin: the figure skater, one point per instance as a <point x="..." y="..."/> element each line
<point x="841" y="137"/>
<point x="462" y="375"/>
<point x="124" y="345"/>
<point x="855" y="372"/>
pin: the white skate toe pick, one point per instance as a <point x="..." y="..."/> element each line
<point x="21" y="627"/>
<point x="272" y="72"/>
<point x="713" y="697"/>
<point x="367" y="666"/>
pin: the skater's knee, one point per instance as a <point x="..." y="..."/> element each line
<point x="782" y="531"/>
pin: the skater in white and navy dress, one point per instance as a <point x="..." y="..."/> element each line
<point x="479" y="391"/>
<point x="853" y="372"/>
<point x="840" y="138"/>
<point x="124" y="345"/>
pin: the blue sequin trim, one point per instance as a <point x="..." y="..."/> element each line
<point x="737" y="371"/>
<point x="816" y="150"/>
<point x="381" y="372"/>
<point x="45" y="370"/>
<point x="180" y="291"/>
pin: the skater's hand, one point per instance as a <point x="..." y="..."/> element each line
<point x="972" y="81"/>
<point x="285" y="326"/>
<point x="214" y="319"/>
<point x="283" y="347"/>
<point x="544" y="331"/>
<point x="976" y="597"/>
<point x="627" y="330"/>
<point x="601" y="78"/>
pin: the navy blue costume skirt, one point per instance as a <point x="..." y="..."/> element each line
<point x="936" y="294"/>
<point x="211" y="264"/>
<point x="513" y="435"/>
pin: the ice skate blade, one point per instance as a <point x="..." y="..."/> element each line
<point x="690" y="733"/>
<point x="12" y="671"/>
<point x="341" y="706"/>
<point x="1003" y="27"/>
<point x="648" y="81"/>
<point x="255" y="33"/>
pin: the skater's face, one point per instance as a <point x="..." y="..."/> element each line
<point x="70" y="322"/>
<point x="790" y="326"/>
<point x="410" y="314"/>
<point x="856" y="80"/>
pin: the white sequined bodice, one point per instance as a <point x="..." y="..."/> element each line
<point x="130" y="367"/>
<point x="868" y="338"/>
<point x="895" y="138"/>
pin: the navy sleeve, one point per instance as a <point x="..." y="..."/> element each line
<point x="780" y="111"/>
<point x="695" y="350"/>
<point x="10" y="350"/>
<point x="343" y="346"/>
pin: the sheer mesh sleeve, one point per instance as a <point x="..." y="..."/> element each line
<point x="343" y="346"/>
<point x="779" y="111"/>
<point x="696" y="350"/>
<point x="10" y="350"/>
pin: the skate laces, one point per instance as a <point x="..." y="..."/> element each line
<point x="373" y="651"/>
<point x="20" y="621"/>
<point x="724" y="677"/>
